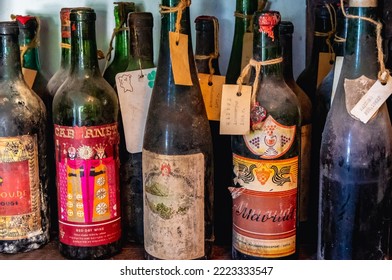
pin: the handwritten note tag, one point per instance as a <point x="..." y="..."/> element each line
<point x="134" y="94"/>
<point x="212" y="94"/>
<point x="29" y="76"/>
<point x="179" y="58"/>
<point x="235" y="110"/>
<point x="369" y="104"/>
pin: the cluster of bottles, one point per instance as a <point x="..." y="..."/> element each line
<point x="141" y="153"/>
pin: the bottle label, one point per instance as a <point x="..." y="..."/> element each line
<point x="325" y="64"/>
<point x="264" y="207"/>
<point x="173" y="205"/>
<point x="88" y="184"/>
<point x="211" y="89"/>
<point x="306" y="143"/>
<point x="271" y="141"/>
<point x="20" y="200"/>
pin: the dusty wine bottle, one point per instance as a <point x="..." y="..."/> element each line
<point x="355" y="158"/>
<point x="85" y="111"/>
<point x="266" y="160"/>
<point x="24" y="209"/>
<point x="177" y="150"/>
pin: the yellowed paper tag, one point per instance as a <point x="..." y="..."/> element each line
<point x="324" y="66"/>
<point x="247" y="52"/>
<point x="235" y="110"/>
<point x="134" y="90"/>
<point x="336" y="75"/>
<point x="369" y="104"/>
<point x="179" y="59"/>
<point x="29" y="76"/>
<point x="212" y="94"/>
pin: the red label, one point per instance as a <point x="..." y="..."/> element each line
<point x="88" y="184"/>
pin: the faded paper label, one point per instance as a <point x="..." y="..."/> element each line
<point x="212" y="94"/>
<point x="179" y="58"/>
<point x="173" y="187"/>
<point x="134" y="93"/>
<point x="235" y="110"/>
<point x="29" y="76"/>
<point x="336" y="75"/>
<point x="324" y="66"/>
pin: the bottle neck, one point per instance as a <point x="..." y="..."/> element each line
<point x="121" y="40"/>
<point x="65" y="44"/>
<point x="206" y="46"/>
<point x="84" y="48"/>
<point x="141" y="47"/>
<point x="29" y="45"/>
<point x="287" y="54"/>
<point x="10" y="58"/>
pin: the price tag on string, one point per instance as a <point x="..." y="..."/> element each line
<point x="212" y="94"/>
<point x="179" y="58"/>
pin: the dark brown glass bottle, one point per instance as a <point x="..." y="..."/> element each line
<point x="24" y="208"/>
<point x="85" y="112"/>
<point x="177" y="158"/>
<point x="207" y="36"/>
<point x="266" y="161"/>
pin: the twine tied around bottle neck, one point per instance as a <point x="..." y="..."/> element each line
<point x="339" y="39"/>
<point x="257" y="65"/>
<point x="182" y="5"/>
<point x="247" y="17"/>
<point x="383" y="74"/>
<point x="329" y="34"/>
<point x="65" y="46"/>
<point x="213" y="55"/>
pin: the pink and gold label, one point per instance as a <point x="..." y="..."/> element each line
<point x="20" y="215"/>
<point x="88" y="184"/>
<point x="272" y="140"/>
<point x="264" y="207"/>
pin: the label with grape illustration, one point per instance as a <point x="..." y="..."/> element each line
<point x="272" y="140"/>
<point x="20" y="215"/>
<point x="88" y="184"/>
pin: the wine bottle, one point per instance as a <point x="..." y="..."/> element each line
<point x="120" y="33"/>
<point x="141" y="56"/>
<point x="242" y="32"/>
<point x="386" y="11"/>
<point x="266" y="160"/>
<point x="24" y="215"/>
<point x="355" y="157"/>
<point x="177" y="150"/>
<point x="207" y="62"/>
<point x="85" y="112"/>
<point x="307" y="227"/>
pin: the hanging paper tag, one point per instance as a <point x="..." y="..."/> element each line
<point x="235" y="110"/>
<point x="179" y="58"/>
<point x="29" y="76"/>
<point x="134" y="94"/>
<point x="336" y="75"/>
<point x="247" y="52"/>
<point x="369" y="104"/>
<point x="212" y="94"/>
<point x="324" y="66"/>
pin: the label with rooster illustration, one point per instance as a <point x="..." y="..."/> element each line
<point x="271" y="141"/>
<point x="264" y="206"/>
<point x="20" y="215"/>
<point x="88" y="184"/>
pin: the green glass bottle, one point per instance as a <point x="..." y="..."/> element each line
<point x="141" y="56"/>
<point x="243" y="18"/>
<point x="355" y="211"/>
<point x="121" y="56"/>
<point x="266" y="161"/>
<point x="24" y="214"/>
<point x="85" y="112"/>
<point x="177" y="156"/>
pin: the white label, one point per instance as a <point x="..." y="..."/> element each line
<point x="173" y="188"/>
<point x="369" y="104"/>
<point x="134" y="93"/>
<point x="235" y="110"/>
<point x="336" y="75"/>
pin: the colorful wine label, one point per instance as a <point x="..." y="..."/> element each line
<point x="173" y="187"/>
<point x="264" y="207"/>
<point x="20" y="200"/>
<point x="88" y="184"/>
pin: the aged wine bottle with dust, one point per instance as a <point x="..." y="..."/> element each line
<point x="266" y="160"/>
<point x="207" y="62"/>
<point x="177" y="150"/>
<point x="355" y="159"/>
<point x="85" y="111"/>
<point x="24" y="208"/>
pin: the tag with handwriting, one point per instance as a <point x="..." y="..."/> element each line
<point x="212" y="94"/>
<point x="235" y="110"/>
<point x="29" y="76"/>
<point x="134" y="93"/>
<point x="369" y="104"/>
<point x="336" y="75"/>
<point x="179" y="59"/>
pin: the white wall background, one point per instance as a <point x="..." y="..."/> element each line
<point x="48" y="11"/>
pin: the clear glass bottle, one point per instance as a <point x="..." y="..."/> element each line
<point x="85" y="112"/>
